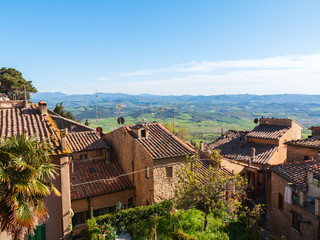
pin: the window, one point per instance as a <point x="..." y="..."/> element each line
<point x="83" y="156"/>
<point x="296" y="221"/>
<point x="147" y="203"/>
<point x="147" y="172"/>
<point x="130" y="203"/>
<point x="99" y="212"/>
<point x="306" y="158"/>
<point x="79" y="218"/>
<point x="142" y="133"/>
<point x="169" y="172"/>
<point x="280" y="201"/>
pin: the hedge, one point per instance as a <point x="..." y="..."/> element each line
<point x="125" y="218"/>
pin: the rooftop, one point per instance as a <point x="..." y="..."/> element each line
<point x="295" y="173"/>
<point x="161" y="143"/>
<point x="97" y="177"/>
<point x="29" y="121"/>
<point x="232" y="145"/>
<point x="313" y="142"/>
<point x="85" y="141"/>
<point x="265" y="131"/>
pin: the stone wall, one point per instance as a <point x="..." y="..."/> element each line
<point x="164" y="186"/>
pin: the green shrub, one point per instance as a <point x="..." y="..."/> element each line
<point x="109" y="232"/>
<point x="180" y="235"/>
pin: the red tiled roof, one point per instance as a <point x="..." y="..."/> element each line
<point x="88" y="178"/>
<point x="85" y="141"/>
<point x="295" y="173"/>
<point x="268" y="131"/>
<point x="315" y="168"/>
<point x="161" y="143"/>
<point x="231" y="145"/>
<point x="29" y="121"/>
<point x="313" y="142"/>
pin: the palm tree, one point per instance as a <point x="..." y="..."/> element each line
<point x="25" y="174"/>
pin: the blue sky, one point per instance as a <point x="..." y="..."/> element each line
<point x="164" y="47"/>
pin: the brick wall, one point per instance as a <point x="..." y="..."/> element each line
<point x="297" y="153"/>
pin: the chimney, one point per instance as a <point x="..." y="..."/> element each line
<point x="202" y="146"/>
<point x="63" y="134"/>
<point x="318" y="157"/>
<point x="42" y="106"/>
<point x="253" y="156"/>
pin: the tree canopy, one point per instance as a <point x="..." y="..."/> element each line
<point x="13" y="84"/>
<point x="208" y="191"/>
<point x="25" y="179"/>
<point x="59" y="109"/>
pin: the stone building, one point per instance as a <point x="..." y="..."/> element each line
<point x="295" y="200"/>
<point x="304" y="149"/>
<point x="151" y="155"/>
<point x="249" y="153"/>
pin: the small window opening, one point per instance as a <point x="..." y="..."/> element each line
<point x="169" y="172"/>
<point x="143" y="133"/>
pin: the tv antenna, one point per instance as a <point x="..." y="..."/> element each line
<point x="161" y="113"/>
<point x="142" y="108"/>
<point x="97" y="106"/>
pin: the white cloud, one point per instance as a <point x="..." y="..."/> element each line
<point x="284" y="74"/>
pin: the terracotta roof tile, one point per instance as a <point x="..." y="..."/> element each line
<point x="315" y="168"/>
<point x="88" y="178"/>
<point x="85" y="141"/>
<point x="29" y="121"/>
<point x="268" y="131"/>
<point x="295" y="173"/>
<point x="161" y="143"/>
<point x="313" y="142"/>
<point x="231" y="145"/>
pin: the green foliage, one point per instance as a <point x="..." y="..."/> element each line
<point x="13" y="84"/>
<point x="59" y="109"/>
<point x="109" y="232"/>
<point x="207" y="191"/>
<point x="180" y="235"/>
<point x="125" y="219"/>
<point x="25" y="174"/>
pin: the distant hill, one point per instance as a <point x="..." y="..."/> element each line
<point x="203" y="116"/>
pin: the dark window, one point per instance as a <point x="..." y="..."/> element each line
<point x="111" y="209"/>
<point x="280" y="201"/>
<point x="79" y="218"/>
<point x="147" y="202"/>
<point x="296" y="221"/>
<point x="83" y="156"/>
<point x="306" y="158"/>
<point x="99" y="212"/>
<point x="169" y="172"/>
<point x="130" y="203"/>
<point x="143" y="133"/>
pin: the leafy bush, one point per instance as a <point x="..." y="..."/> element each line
<point x="180" y="235"/>
<point x="109" y="232"/>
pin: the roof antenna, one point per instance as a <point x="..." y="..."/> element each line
<point x="97" y="106"/>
